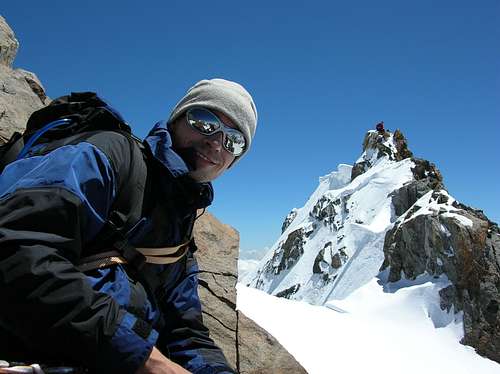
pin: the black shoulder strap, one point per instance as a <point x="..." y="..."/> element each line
<point x="126" y="210"/>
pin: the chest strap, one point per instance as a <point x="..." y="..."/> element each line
<point x="159" y="256"/>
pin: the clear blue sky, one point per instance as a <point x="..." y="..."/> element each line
<point x="321" y="73"/>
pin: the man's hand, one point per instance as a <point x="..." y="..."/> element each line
<point x="159" y="364"/>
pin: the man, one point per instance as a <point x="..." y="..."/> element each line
<point x="56" y="206"/>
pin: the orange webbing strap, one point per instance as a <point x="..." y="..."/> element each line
<point x="161" y="256"/>
<point x="101" y="260"/>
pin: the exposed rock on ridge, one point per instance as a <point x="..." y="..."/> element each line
<point x="375" y="147"/>
<point x="248" y="347"/>
<point x="8" y="44"/>
<point x="462" y="243"/>
<point x="435" y="234"/>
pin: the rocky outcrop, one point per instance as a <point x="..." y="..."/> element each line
<point x="401" y="146"/>
<point x="360" y="168"/>
<point x="248" y="347"/>
<point x="288" y="220"/>
<point x="8" y="44"/>
<point x="436" y="235"/>
<point x="261" y="353"/>
<point x="217" y="257"/>
<point x="378" y="144"/>
<point x="21" y="93"/>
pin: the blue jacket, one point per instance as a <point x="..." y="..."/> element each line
<point x="53" y="205"/>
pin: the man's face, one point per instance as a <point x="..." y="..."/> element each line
<point x="204" y="155"/>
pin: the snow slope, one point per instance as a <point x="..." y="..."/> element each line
<point x="393" y="331"/>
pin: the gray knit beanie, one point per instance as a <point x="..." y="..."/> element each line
<point x="225" y="96"/>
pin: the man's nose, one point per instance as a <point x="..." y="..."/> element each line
<point x="215" y="141"/>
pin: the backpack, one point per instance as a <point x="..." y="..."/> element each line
<point x="65" y="116"/>
<point x="82" y="112"/>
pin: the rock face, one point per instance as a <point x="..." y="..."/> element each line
<point x="462" y="243"/>
<point x="289" y="218"/>
<point x="248" y="347"/>
<point x="21" y="93"/>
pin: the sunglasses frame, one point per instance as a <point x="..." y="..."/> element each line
<point x="222" y="128"/>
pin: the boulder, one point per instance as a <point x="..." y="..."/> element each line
<point x="8" y="44"/>
<point x="248" y="348"/>
<point x="260" y="353"/>
<point x="21" y="92"/>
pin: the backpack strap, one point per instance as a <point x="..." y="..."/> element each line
<point x="111" y="246"/>
<point x="160" y="256"/>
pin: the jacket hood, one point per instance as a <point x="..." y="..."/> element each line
<point x="159" y="143"/>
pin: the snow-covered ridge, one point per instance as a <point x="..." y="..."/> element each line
<point x="389" y="217"/>
<point x="334" y="243"/>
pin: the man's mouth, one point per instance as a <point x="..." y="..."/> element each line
<point x="201" y="155"/>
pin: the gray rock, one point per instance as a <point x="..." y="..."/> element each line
<point x="247" y="347"/>
<point x="425" y="170"/>
<point x="401" y="146"/>
<point x="325" y="210"/>
<point x="8" y="44"/>
<point x="359" y="168"/>
<point x="260" y="353"/>
<point x="289" y="292"/>
<point x="374" y="140"/>
<point x="291" y="250"/>
<point x="288" y="220"/>
<point x="469" y="255"/>
<point x="35" y="84"/>
<point x="404" y="197"/>
<point x="21" y="93"/>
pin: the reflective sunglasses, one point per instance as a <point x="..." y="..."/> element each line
<point x="207" y="123"/>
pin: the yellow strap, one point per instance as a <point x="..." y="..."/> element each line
<point x="159" y="256"/>
<point x="165" y="251"/>
<point x="161" y="260"/>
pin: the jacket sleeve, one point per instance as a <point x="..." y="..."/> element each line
<point x="49" y="207"/>
<point x="185" y="339"/>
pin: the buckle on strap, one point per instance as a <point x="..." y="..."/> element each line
<point x="101" y="260"/>
<point x="130" y="254"/>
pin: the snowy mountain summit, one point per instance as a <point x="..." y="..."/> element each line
<point x="390" y="218"/>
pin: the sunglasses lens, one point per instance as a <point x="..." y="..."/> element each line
<point x="234" y="142"/>
<point x="208" y="123"/>
<point x="202" y="120"/>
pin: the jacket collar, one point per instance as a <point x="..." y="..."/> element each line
<point x="159" y="143"/>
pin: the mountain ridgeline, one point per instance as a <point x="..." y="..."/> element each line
<point x="389" y="217"/>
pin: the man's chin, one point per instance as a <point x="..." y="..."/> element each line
<point x="202" y="176"/>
